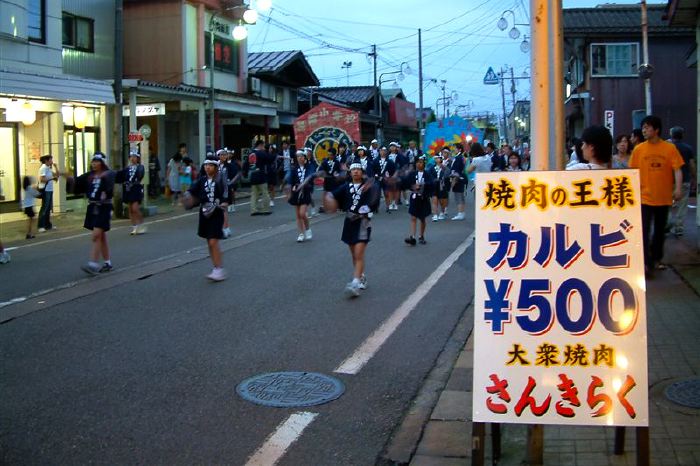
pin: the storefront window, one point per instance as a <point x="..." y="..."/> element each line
<point x="8" y="164"/>
<point x="80" y="144"/>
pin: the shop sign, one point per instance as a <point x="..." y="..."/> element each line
<point x="560" y="310"/>
<point x="143" y="110"/>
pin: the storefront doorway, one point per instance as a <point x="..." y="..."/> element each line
<point x="9" y="170"/>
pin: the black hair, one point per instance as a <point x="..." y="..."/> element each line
<point x="636" y="132"/>
<point x="177" y="157"/>
<point x="577" y="143"/>
<point x="259" y="142"/>
<point x="459" y="146"/>
<point x="599" y="137"/>
<point x="677" y="132"/>
<point x="491" y="145"/>
<point x="342" y="144"/>
<point x="477" y="150"/>
<point x="26" y="182"/>
<point x="181" y="145"/>
<point x="44" y="158"/>
<point x="653" y="121"/>
<point x="619" y="139"/>
<point x="515" y="154"/>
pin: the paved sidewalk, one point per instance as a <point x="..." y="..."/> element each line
<point x="673" y="310"/>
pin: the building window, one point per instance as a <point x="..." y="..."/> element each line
<point x="225" y="53"/>
<point x="78" y="33"/>
<point x="36" y="21"/>
<point x="618" y="59"/>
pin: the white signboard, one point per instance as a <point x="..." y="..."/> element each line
<point x="609" y="121"/>
<point x="560" y="309"/>
<point x="145" y="110"/>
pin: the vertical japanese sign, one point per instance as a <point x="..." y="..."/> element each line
<point x="609" y="120"/>
<point x="560" y="309"/>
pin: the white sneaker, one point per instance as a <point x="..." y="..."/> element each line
<point x="133" y="229"/>
<point x="227" y="233"/>
<point x="441" y="217"/>
<point x="313" y="212"/>
<point x="435" y="218"/>
<point x="41" y="230"/>
<point x="393" y="206"/>
<point x="232" y="208"/>
<point x="217" y="274"/>
<point x="272" y="203"/>
<point x="352" y="290"/>
<point x="459" y="216"/>
<point x="4" y="257"/>
<point x="141" y="229"/>
<point x="308" y="235"/>
<point x="300" y="238"/>
<point x="363" y="282"/>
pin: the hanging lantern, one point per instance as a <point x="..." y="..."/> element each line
<point x="28" y="114"/>
<point x="250" y="16"/>
<point x="67" y="112"/>
<point x="80" y="117"/>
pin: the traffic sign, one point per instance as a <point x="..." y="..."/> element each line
<point x="490" y="77"/>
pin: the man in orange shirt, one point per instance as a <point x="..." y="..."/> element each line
<point x="659" y="164"/>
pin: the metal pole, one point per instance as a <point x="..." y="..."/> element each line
<point x="420" y="90"/>
<point x="444" y="101"/>
<point x="118" y="72"/>
<point x="546" y="63"/>
<point x="645" y="51"/>
<point x="211" y="81"/>
<point x="377" y="93"/>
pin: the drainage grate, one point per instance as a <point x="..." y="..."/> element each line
<point x="685" y="393"/>
<point x="290" y="389"/>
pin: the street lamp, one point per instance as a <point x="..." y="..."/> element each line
<point x="239" y="33"/>
<point x="525" y="45"/>
<point x="346" y="66"/>
<point x="445" y="99"/>
<point x="398" y="76"/>
<point x="514" y="32"/>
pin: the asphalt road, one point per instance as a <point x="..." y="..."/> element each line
<point x="140" y="366"/>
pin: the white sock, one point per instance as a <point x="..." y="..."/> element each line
<point x="108" y="262"/>
<point x="355" y="281"/>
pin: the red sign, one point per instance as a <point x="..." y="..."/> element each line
<point x="325" y="126"/>
<point x="402" y="112"/>
<point x="135" y="136"/>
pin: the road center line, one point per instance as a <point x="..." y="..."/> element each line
<point x="371" y="345"/>
<point x="281" y="439"/>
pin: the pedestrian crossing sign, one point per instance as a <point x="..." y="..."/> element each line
<point x="490" y="77"/>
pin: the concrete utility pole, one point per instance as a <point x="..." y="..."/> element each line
<point x="503" y="103"/>
<point x="420" y="91"/>
<point x="546" y="63"/>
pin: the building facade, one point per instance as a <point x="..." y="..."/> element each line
<point x="55" y="97"/>
<point x="603" y="51"/>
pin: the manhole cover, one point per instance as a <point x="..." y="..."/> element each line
<point x="290" y="389"/>
<point x="684" y="393"/>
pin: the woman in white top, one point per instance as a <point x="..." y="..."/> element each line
<point x="597" y="149"/>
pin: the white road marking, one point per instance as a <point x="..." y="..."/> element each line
<point x="80" y="235"/>
<point x="281" y="439"/>
<point x="371" y="345"/>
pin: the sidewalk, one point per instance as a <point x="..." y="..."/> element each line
<point x="12" y="232"/>
<point x="673" y="319"/>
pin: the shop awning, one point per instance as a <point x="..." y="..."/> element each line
<point x="245" y="108"/>
<point x="62" y="88"/>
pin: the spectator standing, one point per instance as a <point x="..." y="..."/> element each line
<point x="172" y="174"/>
<point x="621" y="159"/>
<point x="596" y="148"/>
<point x="28" y="199"/>
<point x="255" y="167"/>
<point x="688" y="170"/>
<point x="660" y="178"/>
<point x="48" y="174"/>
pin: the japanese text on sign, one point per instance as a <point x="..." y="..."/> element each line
<point x="560" y="317"/>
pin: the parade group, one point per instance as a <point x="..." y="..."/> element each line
<point x="355" y="179"/>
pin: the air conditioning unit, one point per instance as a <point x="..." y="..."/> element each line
<point x="254" y="85"/>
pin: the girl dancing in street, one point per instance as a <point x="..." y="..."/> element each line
<point x="358" y="198"/>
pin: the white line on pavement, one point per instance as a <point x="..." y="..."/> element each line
<point x="371" y="345"/>
<point x="79" y="235"/>
<point x="281" y="439"/>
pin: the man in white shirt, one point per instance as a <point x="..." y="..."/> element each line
<point x="47" y="176"/>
